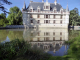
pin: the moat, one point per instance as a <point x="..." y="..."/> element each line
<point x="49" y="40"/>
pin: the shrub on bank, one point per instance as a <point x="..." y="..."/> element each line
<point x="13" y="49"/>
<point x="74" y="49"/>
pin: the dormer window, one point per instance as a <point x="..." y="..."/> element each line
<point x="31" y="9"/>
<point x="47" y="7"/>
<point x="38" y="9"/>
<point x="54" y="9"/>
<point x="61" y="10"/>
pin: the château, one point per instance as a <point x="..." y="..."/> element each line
<point x="45" y="14"/>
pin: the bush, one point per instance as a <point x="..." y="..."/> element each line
<point x="13" y="49"/>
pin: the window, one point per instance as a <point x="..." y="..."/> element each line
<point x="54" y="16"/>
<point x="31" y="21"/>
<point x="61" y="16"/>
<point x="46" y="16"/>
<point x="38" y="10"/>
<point x="53" y="33"/>
<point x="31" y="34"/>
<point x="38" y="21"/>
<point x="54" y="21"/>
<point x="38" y="16"/>
<point x="61" y="22"/>
<point x="47" y="38"/>
<point x="44" y="33"/>
<point x="31" y="16"/>
<point x="47" y="33"/>
<point x="38" y="34"/>
<point x="53" y="38"/>
<point x="46" y="21"/>
<point x="54" y="11"/>
<point x="60" y="33"/>
<point x="61" y="11"/>
<point x="49" y="16"/>
<point x="38" y="39"/>
<point x="47" y="7"/>
<point x="31" y="39"/>
<point x="44" y="38"/>
<point x="30" y="10"/>
<point x="60" y="38"/>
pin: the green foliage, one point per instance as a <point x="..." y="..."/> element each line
<point x="2" y="8"/>
<point x="15" y="16"/>
<point x="3" y="20"/>
<point x="13" y="49"/>
<point x="74" y="49"/>
<point x="74" y="17"/>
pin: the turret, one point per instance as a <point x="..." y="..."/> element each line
<point x="24" y="7"/>
<point x="55" y="2"/>
<point x="42" y="0"/>
<point x="67" y="9"/>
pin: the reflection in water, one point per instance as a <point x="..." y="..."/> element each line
<point x="49" y="40"/>
<point x="7" y="40"/>
<point x="3" y="35"/>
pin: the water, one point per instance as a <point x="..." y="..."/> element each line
<point x="49" y="40"/>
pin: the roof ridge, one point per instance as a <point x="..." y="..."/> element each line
<point x="37" y="2"/>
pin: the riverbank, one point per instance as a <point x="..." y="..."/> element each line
<point x="22" y="27"/>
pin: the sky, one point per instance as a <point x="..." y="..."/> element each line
<point x="19" y="3"/>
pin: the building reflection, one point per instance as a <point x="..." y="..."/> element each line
<point x="46" y="39"/>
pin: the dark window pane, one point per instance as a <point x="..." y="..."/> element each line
<point x="61" y="21"/>
<point x="46" y="16"/>
<point x="54" y="21"/>
<point x="46" y="21"/>
<point x="31" y="21"/>
<point x="38" y="16"/>
<point x="38" y="21"/>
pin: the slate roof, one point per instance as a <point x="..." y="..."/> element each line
<point x="41" y="5"/>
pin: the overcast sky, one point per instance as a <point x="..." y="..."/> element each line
<point x="71" y="3"/>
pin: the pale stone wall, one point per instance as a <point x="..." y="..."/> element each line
<point x="27" y="19"/>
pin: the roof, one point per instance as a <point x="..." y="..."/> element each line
<point x="41" y="4"/>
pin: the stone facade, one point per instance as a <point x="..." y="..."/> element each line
<point x="45" y="14"/>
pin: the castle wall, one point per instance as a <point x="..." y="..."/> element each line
<point x="57" y="24"/>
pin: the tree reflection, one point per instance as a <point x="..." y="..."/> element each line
<point x="3" y="35"/>
<point x="15" y="34"/>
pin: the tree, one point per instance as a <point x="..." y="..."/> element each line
<point x="2" y="8"/>
<point x="15" y="16"/>
<point x="74" y="17"/>
<point x="3" y="20"/>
